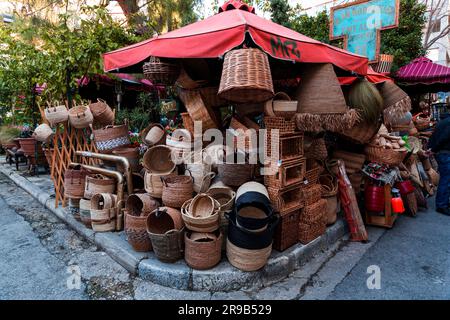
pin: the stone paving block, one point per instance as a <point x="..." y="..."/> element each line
<point x="145" y="290"/>
<point x="232" y="295"/>
<point x="174" y="275"/>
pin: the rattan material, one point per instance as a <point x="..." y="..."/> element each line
<point x="286" y="199"/>
<point x="246" y="76"/>
<point x="198" y="110"/>
<point x="161" y="72"/>
<point x="132" y="155"/>
<point x="211" y="98"/>
<point x="224" y="195"/>
<point x="80" y="117"/>
<point x="136" y="231"/>
<point x="140" y="204"/>
<point x="177" y="190"/>
<point x="102" y="113"/>
<point x="103" y="212"/>
<point x="43" y="132"/>
<point x="153" y="135"/>
<point x="188" y="124"/>
<point x="421" y="123"/>
<point x="202" y="250"/>
<point x="153" y="183"/>
<point x="284" y="126"/>
<point x="353" y="161"/>
<point x="74" y="181"/>
<point x="332" y="209"/>
<point x="329" y="185"/>
<point x="98" y="184"/>
<point x="168" y="247"/>
<point x="185" y="81"/>
<point x="314" y="212"/>
<point x="243" y="135"/>
<point x="111" y="138"/>
<point x="287" y="174"/>
<point x="158" y="160"/>
<point x="286" y="233"/>
<point x="281" y="106"/>
<point x="387" y="156"/>
<point x="196" y="223"/>
<point x="55" y="115"/>
<point x="361" y="132"/>
<point x="201" y="206"/>
<point x="182" y="144"/>
<point x="85" y="212"/>
<point x="312" y="193"/>
<point x="235" y="174"/>
<point x="317" y="149"/>
<point x="308" y="233"/>
<point x="289" y="147"/>
<point x="245" y="259"/>
<point x="164" y="219"/>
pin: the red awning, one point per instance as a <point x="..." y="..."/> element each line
<point x="423" y="71"/>
<point x="214" y="36"/>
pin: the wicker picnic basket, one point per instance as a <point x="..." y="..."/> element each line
<point x="246" y="76"/>
<point x="85" y="212"/>
<point x="158" y="160"/>
<point x="199" y="218"/>
<point x="314" y="212"/>
<point x="235" y="174"/>
<point x="103" y="212"/>
<point x="281" y="106"/>
<point x="198" y="110"/>
<point x="312" y="193"/>
<point x="153" y="135"/>
<point x="98" y="184"/>
<point x="280" y="123"/>
<point x="55" y="115"/>
<point x="202" y="250"/>
<point x="286" y="233"/>
<point x="102" y="113"/>
<point x="176" y="190"/>
<point x="140" y="204"/>
<point x="74" y="181"/>
<point x="387" y="156"/>
<point x="136" y="231"/>
<point x="211" y="98"/>
<point x="43" y="133"/>
<point x="80" y="117"/>
<point x="247" y="259"/>
<point x="111" y="138"/>
<point x="160" y="71"/>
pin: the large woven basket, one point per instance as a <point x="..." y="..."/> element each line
<point x="287" y="174"/>
<point x="200" y="223"/>
<point x="287" y="199"/>
<point x="309" y="232"/>
<point x="55" y="115"/>
<point x="198" y="110"/>
<point x="98" y="184"/>
<point x="80" y="117"/>
<point x="246" y="76"/>
<point x="164" y="219"/>
<point x="158" y="160"/>
<point x="362" y="132"/>
<point x="74" y="181"/>
<point x="202" y="250"/>
<point x="136" y="231"/>
<point x="235" y="174"/>
<point x="314" y="212"/>
<point x="140" y="204"/>
<point x="177" y="190"/>
<point x="159" y="71"/>
<point x="103" y="212"/>
<point x="224" y="195"/>
<point x="111" y="138"/>
<point x="387" y="156"/>
<point x="132" y="155"/>
<point x="246" y="259"/>
<point x="286" y="233"/>
<point x="102" y="113"/>
<point x="312" y="193"/>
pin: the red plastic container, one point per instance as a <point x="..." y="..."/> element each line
<point x="405" y="187"/>
<point x="374" y="198"/>
<point x="397" y="205"/>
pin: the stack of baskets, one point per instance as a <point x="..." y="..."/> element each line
<point x="158" y="164"/>
<point x="313" y="218"/>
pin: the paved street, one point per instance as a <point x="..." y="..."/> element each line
<point x="37" y="249"/>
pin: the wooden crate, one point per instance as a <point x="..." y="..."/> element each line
<point x="388" y="218"/>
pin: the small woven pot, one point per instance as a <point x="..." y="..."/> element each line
<point x="111" y="138"/>
<point x="136" y="231"/>
<point x="153" y="135"/>
<point x="140" y="204"/>
<point x="43" y="133"/>
<point x="202" y="250"/>
<point x="158" y="160"/>
<point x="55" y="115"/>
<point x="74" y="182"/>
<point x="176" y="190"/>
<point x="103" y="212"/>
<point x="80" y="117"/>
<point x="102" y="113"/>
<point x="98" y="184"/>
<point x="198" y="223"/>
<point x="85" y="212"/>
<point x="246" y="259"/>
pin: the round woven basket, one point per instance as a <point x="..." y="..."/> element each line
<point x="387" y="156"/>
<point x="168" y="247"/>
<point x="280" y="106"/>
<point x="102" y="113"/>
<point x="74" y="182"/>
<point x="132" y="155"/>
<point x="199" y="223"/>
<point x="177" y="190"/>
<point x="80" y="117"/>
<point x="55" y="115"/>
<point x="160" y="71"/>
<point x="85" y="212"/>
<point x="111" y="138"/>
<point x="153" y="135"/>
<point x="140" y="204"/>
<point x="103" y="212"/>
<point x="224" y="195"/>
<point x="153" y="183"/>
<point x="362" y="132"/>
<point x="136" y="231"/>
<point x="198" y="110"/>
<point x="202" y="206"/>
<point x="202" y="250"/>
<point x="163" y="219"/>
<point x="158" y="160"/>
<point x="246" y="76"/>
<point x="43" y="133"/>
<point x="247" y="260"/>
<point x="98" y="184"/>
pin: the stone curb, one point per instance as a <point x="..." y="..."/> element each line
<point x="223" y="277"/>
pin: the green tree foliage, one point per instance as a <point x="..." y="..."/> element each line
<point x="316" y="27"/>
<point x="281" y="12"/>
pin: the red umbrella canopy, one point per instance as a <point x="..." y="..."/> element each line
<point x="214" y="36"/>
<point x="423" y="70"/>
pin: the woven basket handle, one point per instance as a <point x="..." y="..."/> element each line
<point x="101" y="101"/>
<point x="163" y="180"/>
<point x="283" y="95"/>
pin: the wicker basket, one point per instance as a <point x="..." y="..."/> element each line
<point x="317" y="149"/>
<point x="182" y="144"/>
<point x="153" y="183"/>
<point x="362" y="132"/>
<point x="281" y="106"/>
<point x="196" y="222"/>
<point x="177" y="190"/>
<point x="98" y="184"/>
<point x="43" y="133"/>
<point x="243" y="135"/>
<point x="246" y="76"/>
<point x="284" y="126"/>
<point x="286" y="233"/>
<point x="168" y="247"/>
<point x="55" y="115"/>
<point x="153" y="135"/>
<point x="353" y="161"/>
<point x="85" y="212"/>
<point x="224" y="195"/>
<point x="102" y="113"/>
<point x="111" y="138"/>
<point x="188" y="124"/>
<point x="74" y="181"/>
<point x="80" y="117"/>
<point x="140" y="204"/>
<point x="387" y="156"/>
<point x="235" y="174"/>
<point x="286" y="199"/>
<point x="164" y="219"/>
<point x="247" y="259"/>
<point x="132" y="155"/>
<point x="308" y="233"/>
<point x="186" y="82"/>
<point x="202" y="250"/>
<point x="211" y="98"/>
<point x="103" y="212"/>
<point x="158" y="160"/>
<point x="136" y="231"/>
<point x="198" y="110"/>
<point x="421" y="123"/>
<point x="161" y="72"/>
<point x="312" y="193"/>
<point x="287" y="174"/>
<point x="314" y="212"/>
<point x="288" y="147"/>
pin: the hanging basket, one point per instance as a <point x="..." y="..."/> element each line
<point x="74" y="181"/>
<point x="160" y="71"/>
<point x="177" y="190"/>
<point x="102" y="113"/>
<point x="198" y="110"/>
<point x="246" y="76"/>
<point x="111" y="138"/>
<point x="55" y="115"/>
<point x="136" y="231"/>
<point x="103" y="212"/>
<point x="153" y="135"/>
<point x="43" y="133"/>
<point x="202" y="250"/>
<point x="280" y="106"/>
<point x="80" y="117"/>
<point x="387" y="156"/>
<point x="98" y="184"/>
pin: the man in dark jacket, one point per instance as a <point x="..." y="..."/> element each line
<point x="439" y="143"/>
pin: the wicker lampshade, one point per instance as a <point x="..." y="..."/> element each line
<point x="396" y="102"/>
